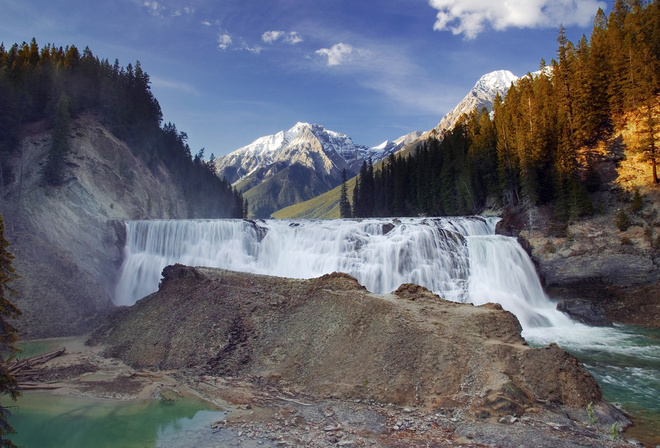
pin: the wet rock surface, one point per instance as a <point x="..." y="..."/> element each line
<point x="584" y="311"/>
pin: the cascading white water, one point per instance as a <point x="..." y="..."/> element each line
<point x="380" y="254"/>
<point x="460" y="259"/>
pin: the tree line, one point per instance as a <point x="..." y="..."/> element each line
<point x="58" y="84"/>
<point x="537" y="146"/>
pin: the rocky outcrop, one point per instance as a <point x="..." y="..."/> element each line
<point x="584" y="311"/>
<point x="68" y="239"/>
<point x="332" y="338"/>
<point x="615" y="269"/>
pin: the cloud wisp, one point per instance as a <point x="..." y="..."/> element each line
<point x="224" y="41"/>
<point x="339" y="54"/>
<point x="471" y="17"/>
<point x="158" y="9"/>
<point x="390" y="71"/>
<point x="292" y="37"/>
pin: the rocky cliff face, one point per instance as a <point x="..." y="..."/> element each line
<point x="68" y="239"/>
<point x="331" y="337"/>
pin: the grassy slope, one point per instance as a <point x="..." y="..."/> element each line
<point x="326" y="206"/>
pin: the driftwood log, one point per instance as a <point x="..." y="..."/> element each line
<point x="24" y="369"/>
<point x="31" y="361"/>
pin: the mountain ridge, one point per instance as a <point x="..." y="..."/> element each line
<point x="266" y="166"/>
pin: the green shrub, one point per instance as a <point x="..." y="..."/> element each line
<point x="590" y="414"/>
<point x="622" y="221"/>
<point x="614" y="431"/>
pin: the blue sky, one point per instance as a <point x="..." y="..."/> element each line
<point x="227" y="72"/>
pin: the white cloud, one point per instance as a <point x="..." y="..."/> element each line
<point x="160" y="9"/>
<point x="154" y="8"/>
<point x="338" y="54"/>
<point x="224" y="41"/>
<point x="255" y="49"/>
<point x="471" y="17"/>
<point x="206" y="23"/>
<point x="293" y="38"/>
<point x="271" y="37"/>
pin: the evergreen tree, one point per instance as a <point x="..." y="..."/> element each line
<point x="344" y="205"/>
<point x="356" y="199"/>
<point x="58" y="84"/>
<point x="8" y="334"/>
<point x="650" y="128"/>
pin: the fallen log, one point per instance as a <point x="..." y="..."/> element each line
<point x="38" y="387"/>
<point x="28" y="363"/>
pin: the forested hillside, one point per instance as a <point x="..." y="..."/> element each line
<point x="58" y="84"/>
<point x="538" y="148"/>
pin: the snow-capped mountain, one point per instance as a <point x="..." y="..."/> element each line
<point x="307" y="160"/>
<point x="281" y="169"/>
<point x="482" y="95"/>
<point x="310" y="145"/>
<point x="391" y="147"/>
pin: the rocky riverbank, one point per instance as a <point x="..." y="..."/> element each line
<point x="323" y="362"/>
<point x="259" y="413"/>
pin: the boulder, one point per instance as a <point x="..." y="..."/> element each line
<point x="584" y="311"/>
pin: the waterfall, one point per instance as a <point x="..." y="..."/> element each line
<point x="460" y="259"/>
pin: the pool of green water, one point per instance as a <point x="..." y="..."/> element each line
<point x="37" y="347"/>
<point x="44" y="420"/>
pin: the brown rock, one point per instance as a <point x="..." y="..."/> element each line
<point x="329" y="336"/>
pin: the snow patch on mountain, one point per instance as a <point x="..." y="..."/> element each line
<point x="482" y="95"/>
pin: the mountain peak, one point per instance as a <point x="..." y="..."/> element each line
<point x="500" y="79"/>
<point x="482" y="95"/>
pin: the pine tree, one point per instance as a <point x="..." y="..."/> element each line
<point x="649" y="141"/>
<point x="357" y="213"/>
<point x="245" y="209"/>
<point x="8" y="334"/>
<point x="344" y="205"/>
